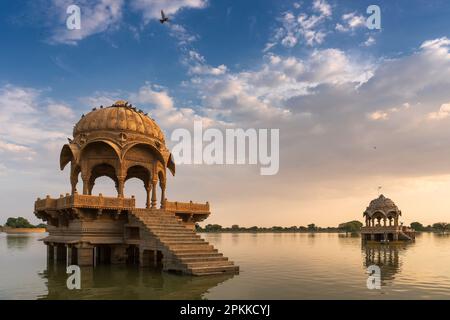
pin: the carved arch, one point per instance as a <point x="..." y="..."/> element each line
<point x="69" y="153"/>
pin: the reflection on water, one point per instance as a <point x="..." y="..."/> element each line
<point x="126" y="282"/>
<point x="385" y="256"/>
<point x="272" y="266"/>
<point x="17" y="241"/>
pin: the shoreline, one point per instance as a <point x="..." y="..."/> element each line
<point x="22" y="230"/>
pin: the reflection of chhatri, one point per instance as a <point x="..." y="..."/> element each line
<point x="384" y="256"/>
<point x="382" y="222"/>
<point x="116" y="282"/>
<point x="121" y="142"/>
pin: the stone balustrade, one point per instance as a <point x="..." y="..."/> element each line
<point x="187" y="207"/>
<point x="84" y="201"/>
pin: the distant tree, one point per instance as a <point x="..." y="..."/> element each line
<point x="312" y="227"/>
<point x="351" y="226"/>
<point x="417" y="226"/>
<point x="253" y="229"/>
<point x="19" y="222"/>
<point x="235" y="227"/>
<point x="41" y="225"/>
<point x="213" y="227"/>
<point x="276" y="228"/>
<point x="441" y="227"/>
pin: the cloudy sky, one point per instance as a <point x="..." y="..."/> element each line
<point x="356" y="108"/>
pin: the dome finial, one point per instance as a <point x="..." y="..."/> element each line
<point x="120" y="103"/>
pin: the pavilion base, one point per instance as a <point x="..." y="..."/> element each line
<point x="387" y="234"/>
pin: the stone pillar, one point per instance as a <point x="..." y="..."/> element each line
<point x="148" y="189"/>
<point x="120" y="186"/>
<point x="61" y="252"/>
<point x="73" y="178"/>
<point x="372" y="237"/>
<point x="395" y="236"/>
<point x="384" y="222"/>
<point x="85" y="184"/>
<point x="50" y="253"/>
<point x="163" y="195"/>
<point x="144" y="258"/>
<point x="118" y="254"/>
<point x="68" y="255"/>
<point x="154" y="200"/>
<point x="90" y="187"/>
<point x="55" y="253"/>
<point x="85" y="254"/>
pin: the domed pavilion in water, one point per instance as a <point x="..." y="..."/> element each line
<point x="121" y="142"/>
<point x="382" y="223"/>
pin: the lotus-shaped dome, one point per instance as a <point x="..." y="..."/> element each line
<point x="120" y="117"/>
<point x="382" y="205"/>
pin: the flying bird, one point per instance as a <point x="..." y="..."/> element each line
<point x="163" y="17"/>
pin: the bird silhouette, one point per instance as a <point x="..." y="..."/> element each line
<point x="163" y="17"/>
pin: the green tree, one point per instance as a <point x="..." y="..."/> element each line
<point x="19" y="222"/>
<point x="312" y="227"/>
<point x="417" y="226"/>
<point x="351" y="226"/>
<point x="213" y="227"/>
<point x="441" y="227"/>
<point x="235" y="227"/>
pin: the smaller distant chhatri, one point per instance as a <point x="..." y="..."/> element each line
<point x="382" y="222"/>
<point x="122" y="142"/>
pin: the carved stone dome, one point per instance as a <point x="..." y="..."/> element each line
<point x="382" y="205"/>
<point x="120" y="117"/>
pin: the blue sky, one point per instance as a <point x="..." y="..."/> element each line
<point x="233" y="33"/>
<point x="313" y="69"/>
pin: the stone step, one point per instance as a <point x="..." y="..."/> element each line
<point x="213" y="270"/>
<point x="196" y="254"/>
<point x="179" y="238"/>
<point x="192" y="247"/>
<point x="195" y="250"/>
<point x="212" y="263"/>
<point x="189" y="260"/>
<point x="176" y="242"/>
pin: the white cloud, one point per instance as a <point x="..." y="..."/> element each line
<point x="151" y="9"/>
<point x="96" y="16"/>
<point x="198" y="66"/>
<point x="350" y="22"/>
<point x="443" y="113"/>
<point x="152" y="95"/>
<point x="323" y="7"/>
<point x="295" y="29"/>
<point x="369" y="42"/>
<point x="29" y="124"/>
<point x="378" y="115"/>
<point x="11" y="147"/>
<point x="60" y="111"/>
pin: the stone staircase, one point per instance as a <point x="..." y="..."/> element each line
<point x="404" y="236"/>
<point x="192" y="254"/>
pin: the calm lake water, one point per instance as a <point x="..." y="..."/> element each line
<point x="273" y="266"/>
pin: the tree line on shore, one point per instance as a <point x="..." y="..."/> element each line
<point x="21" y="222"/>
<point x="347" y="227"/>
